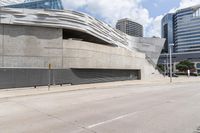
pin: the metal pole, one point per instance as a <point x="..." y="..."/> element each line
<point x="167" y="64"/>
<point x="49" y="71"/>
<point x="164" y="68"/>
<point x="49" y="80"/>
<point x="170" y="56"/>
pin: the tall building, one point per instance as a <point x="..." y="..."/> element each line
<point x="167" y="31"/>
<point x="34" y="4"/>
<point x="183" y="29"/>
<point x="187" y="30"/>
<point x="130" y="27"/>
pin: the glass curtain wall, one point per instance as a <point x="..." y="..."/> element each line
<point x="39" y="4"/>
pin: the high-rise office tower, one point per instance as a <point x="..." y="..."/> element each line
<point x="130" y="27"/>
<point x="183" y="29"/>
<point x="167" y="31"/>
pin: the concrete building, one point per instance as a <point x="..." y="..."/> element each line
<point x="182" y="28"/>
<point x="130" y="27"/>
<point x="177" y="57"/>
<point x="79" y="49"/>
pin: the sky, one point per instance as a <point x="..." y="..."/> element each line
<point x="146" y="12"/>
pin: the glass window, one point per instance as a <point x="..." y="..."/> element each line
<point x="46" y="4"/>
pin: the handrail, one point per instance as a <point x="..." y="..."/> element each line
<point x="154" y="65"/>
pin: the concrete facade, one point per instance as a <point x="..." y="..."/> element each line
<point x="36" y="47"/>
<point x="72" y="20"/>
<point x="79" y="52"/>
<point x="149" y="46"/>
<point x="30" y="47"/>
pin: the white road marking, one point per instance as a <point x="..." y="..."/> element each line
<point x="111" y="120"/>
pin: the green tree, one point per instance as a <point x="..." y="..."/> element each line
<point x="161" y="67"/>
<point x="183" y="66"/>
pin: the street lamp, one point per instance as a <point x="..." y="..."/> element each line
<point x="165" y="68"/>
<point x="170" y="57"/>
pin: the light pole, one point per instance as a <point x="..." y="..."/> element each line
<point x="164" y="68"/>
<point x="167" y="64"/>
<point x="170" y="57"/>
<point x="49" y="74"/>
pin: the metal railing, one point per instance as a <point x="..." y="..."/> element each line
<point x="154" y="65"/>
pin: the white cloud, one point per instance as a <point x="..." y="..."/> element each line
<point x="154" y="28"/>
<point x="188" y="3"/>
<point x="110" y="11"/>
<point x="155" y="5"/>
<point x="185" y="4"/>
<point x="73" y="4"/>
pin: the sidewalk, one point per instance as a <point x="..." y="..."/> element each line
<point x="29" y="91"/>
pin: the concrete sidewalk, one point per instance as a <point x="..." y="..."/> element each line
<point x="18" y="92"/>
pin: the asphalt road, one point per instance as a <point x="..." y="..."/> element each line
<point x="161" y="108"/>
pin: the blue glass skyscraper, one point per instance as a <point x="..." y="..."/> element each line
<point x="183" y="29"/>
<point x="39" y="4"/>
<point x="167" y="31"/>
<point x="187" y="30"/>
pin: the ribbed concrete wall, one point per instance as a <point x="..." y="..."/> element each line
<point x="12" y="78"/>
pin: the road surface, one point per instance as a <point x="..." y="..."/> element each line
<point x="156" y="108"/>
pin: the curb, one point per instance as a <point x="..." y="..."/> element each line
<point x="103" y="86"/>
